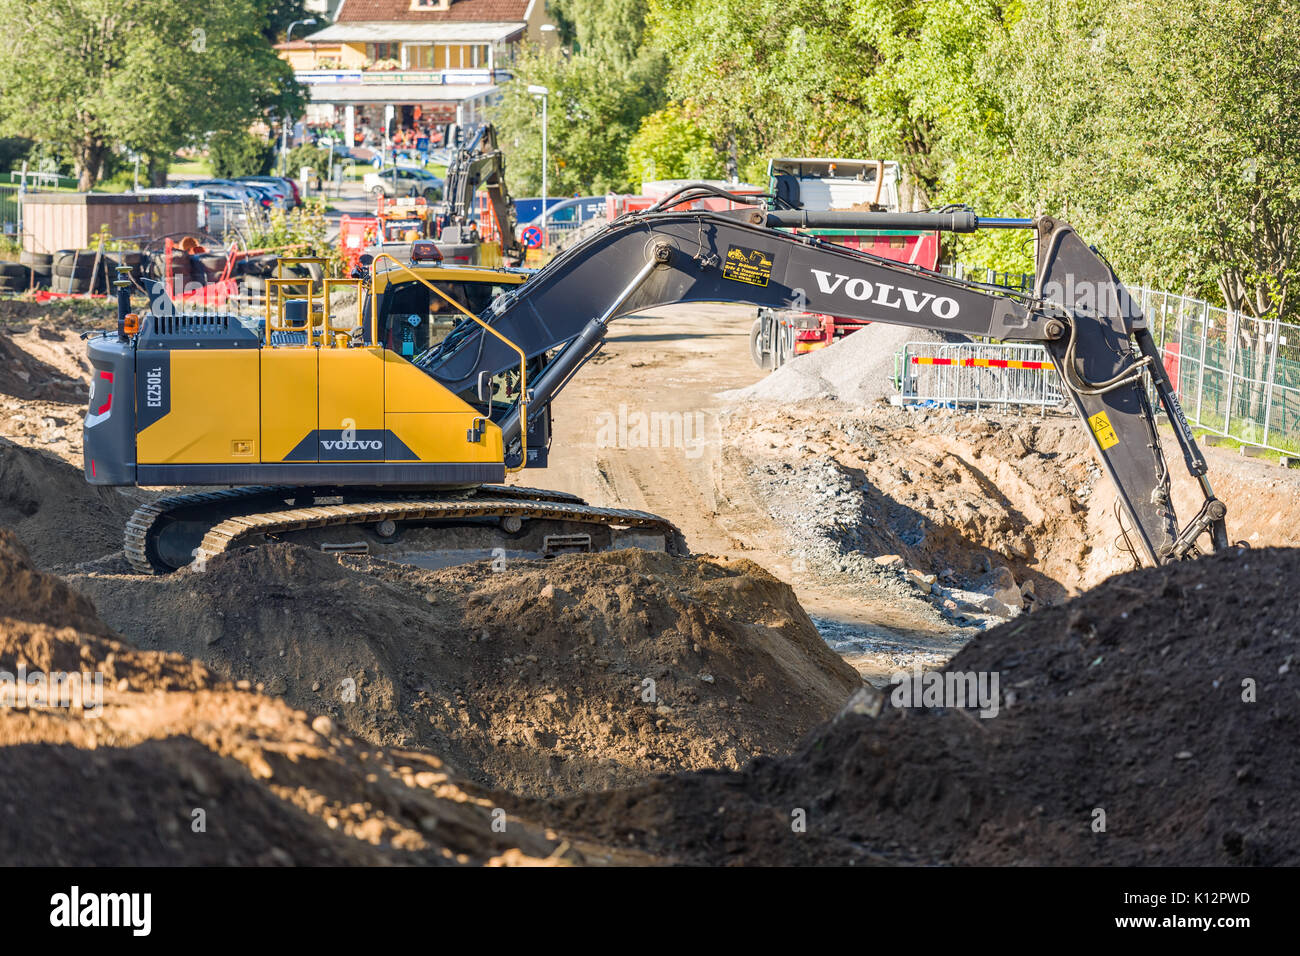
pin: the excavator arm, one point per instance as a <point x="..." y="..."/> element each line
<point x="1078" y="310"/>
<point x="480" y="165"/>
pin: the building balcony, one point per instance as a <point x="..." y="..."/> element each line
<point x="381" y="77"/>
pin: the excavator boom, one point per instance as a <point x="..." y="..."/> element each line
<point x="1078" y="310"/>
<point x="480" y="165"/>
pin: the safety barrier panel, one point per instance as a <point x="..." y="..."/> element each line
<point x="978" y="375"/>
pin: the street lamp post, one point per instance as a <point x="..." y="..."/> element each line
<point x="542" y="93"/>
<point x="284" y="127"/>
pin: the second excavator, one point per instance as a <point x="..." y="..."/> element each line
<point x="313" y="428"/>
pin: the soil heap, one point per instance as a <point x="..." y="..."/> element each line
<point x="584" y="672"/>
<point x="1165" y="699"/>
<point x="169" y="766"/>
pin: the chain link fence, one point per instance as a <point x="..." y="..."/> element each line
<point x="1235" y="375"/>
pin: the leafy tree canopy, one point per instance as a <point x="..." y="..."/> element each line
<point x="86" y="76"/>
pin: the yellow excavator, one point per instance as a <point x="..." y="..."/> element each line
<point x="359" y="429"/>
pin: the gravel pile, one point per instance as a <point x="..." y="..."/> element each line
<point x="858" y="368"/>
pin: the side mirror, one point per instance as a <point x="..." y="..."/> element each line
<point x="485" y="387"/>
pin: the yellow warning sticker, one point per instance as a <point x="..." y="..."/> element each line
<point x="748" y="265"/>
<point x="1101" y="427"/>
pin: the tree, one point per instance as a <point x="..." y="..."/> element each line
<point x="870" y="78"/>
<point x="240" y="154"/>
<point x="145" y="75"/>
<point x="671" y="144"/>
<point x="599" y="93"/>
<point x="1166" y="133"/>
<point x="612" y="31"/>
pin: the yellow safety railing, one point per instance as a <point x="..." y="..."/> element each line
<point x="523" y="358"/>
<point x="331" y="336"/>
<point x="275" y="305"/>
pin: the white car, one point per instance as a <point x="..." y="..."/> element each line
<point x="410" y="181"/>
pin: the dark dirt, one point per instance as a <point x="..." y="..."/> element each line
<point x="1128" y="699"/>
<point x="534" y="679"/>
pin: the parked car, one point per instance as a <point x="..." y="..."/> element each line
<point x="252" y="193"/>
<point x="567" y="215"/>
<point x="284" y="191"/>
<point x="410" y="181"/>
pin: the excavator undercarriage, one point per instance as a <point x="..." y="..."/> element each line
<point x="341" y="443"/>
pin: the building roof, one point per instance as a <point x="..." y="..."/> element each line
<point x="482" y="11"/>
<point x="410" y="32"/>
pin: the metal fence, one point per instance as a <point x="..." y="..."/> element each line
<point x="10" y="211"/>
<point x="1235" y="375"/>
<point x="978" y="374"/>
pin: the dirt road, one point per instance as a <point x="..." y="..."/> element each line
<point x="647" y="425"/>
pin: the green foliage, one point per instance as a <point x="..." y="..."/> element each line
<point x="85" y="76"/>
<point x="302" y="232"/>
<point x="599" y="94"/>
<point x="13" y="150"/>
<point x="306" y="155"/>
<point x="671" y="144"/>
<point x="1165" y="133"/>
<point x="608" y="30"/>
<point x="866" y="78"/>
<point x="280" y="13"/>
<point x="239" y="154"/>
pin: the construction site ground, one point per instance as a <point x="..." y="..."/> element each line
<point x="343" y="709"/>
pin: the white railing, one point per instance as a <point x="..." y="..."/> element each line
<point x="467" y="76"/>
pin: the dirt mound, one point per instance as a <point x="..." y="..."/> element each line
<point x="44" y="364"/>
<point x="186" y="770"/>
<point x="58" y="516"/>
<point x="1160" y="705"/>
<point x="857" y="369"/>
<point x="588" y="671"/>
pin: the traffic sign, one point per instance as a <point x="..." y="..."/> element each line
<point x="532" y="237"/>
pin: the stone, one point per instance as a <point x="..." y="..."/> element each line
<point x="866" y="701"/>
<point x="924" y="582"/>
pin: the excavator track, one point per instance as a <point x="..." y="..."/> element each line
<point x="488" y="501"/>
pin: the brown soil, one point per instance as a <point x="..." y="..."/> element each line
<point x="44" y="363"/>
<point x="534" y="679"/>
<point x="44" y="377"/>
<point x="60" y="518"/>
<point x="1127" y="699"/>
<point x="274" y="786"/>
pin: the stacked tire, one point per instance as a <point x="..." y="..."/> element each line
<point x="254" y="272"/>
<point x="76" y="270"/>
<point x="41" y="265"/>
<point x="14" y="277"/>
